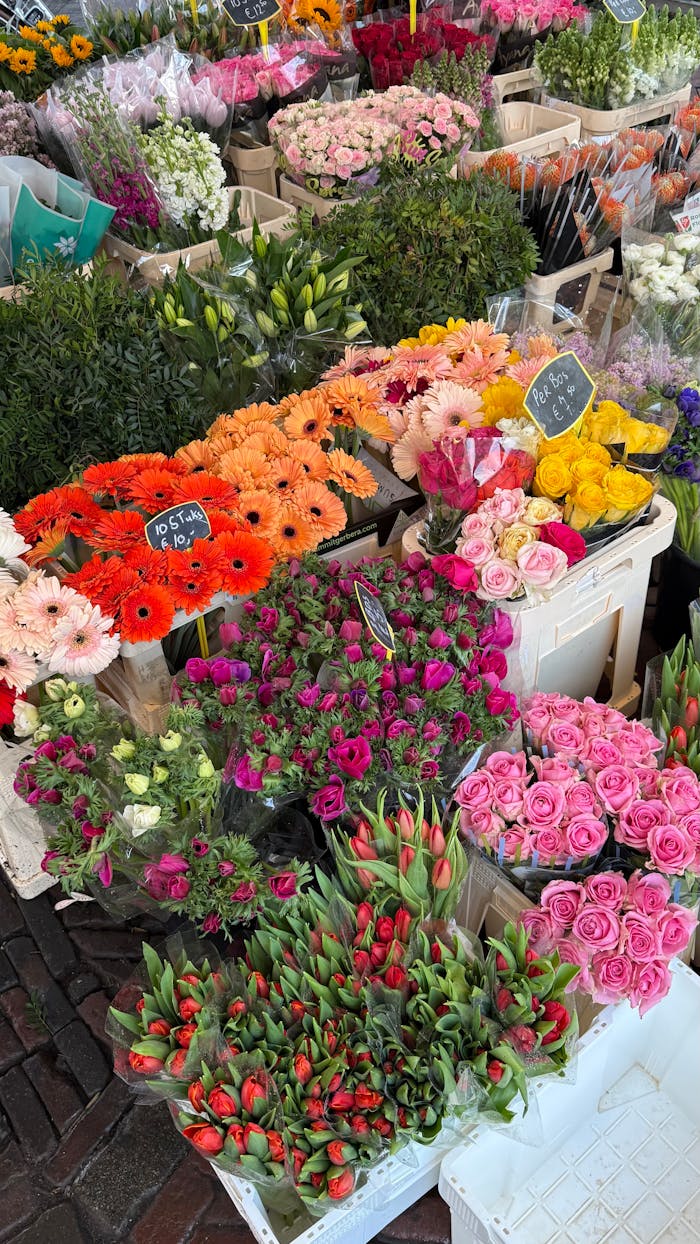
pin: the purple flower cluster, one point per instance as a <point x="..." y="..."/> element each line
<point x="18" y="133"/>
<point x="131" y="192"/>
<point x="683" y="457"/>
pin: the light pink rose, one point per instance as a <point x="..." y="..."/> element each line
<point x="512" y="765"/>
<point x="593" y="726"/>
<point x="648" y="778"/>
<point x="681" y="790"/>
<point x="477" y="525"/>
<point x="671" y="849"/>
<point x="475" y="791"/>
<point x="637" y="743"/>
<point x="540" y="928"/>
<point x="597" y="927"/>
<point x="541" y="565"/>
<point x="571" y="951"/>
<point x="566" y="739"/>
<point x="537" y="720"/>
<point x="585" y="836"/>
<point x="499" y="580"/>
<point x="676" y="927"/>
<point x="481" y="822"/>
<point x="690" y="824"/>
<point x="564" y="708"/>
<point x="648" y="893"/>
<point x="616" y="787"/>
<point x="652" y="982"/>
<point x="637" y="821"/>
<point x="563" y="900"/>
<point x="478" y="550"/>
<point x="506" y="506"/>
<point x="508" y="798"/>
<point x="549" y="844"/>
<point x="606" y="890"/>
<point x="612" y="977"/>
<point x="598" y="753"/>
<point x="516" y="841"/>
<point x="552" y="769"/>
<point x="581" y="801"/>
<point x="544" y="805"/>
<point x="640" y="937"/>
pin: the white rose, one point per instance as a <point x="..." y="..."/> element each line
<point x="26" y="718"/>
<point x="141" y="817"/>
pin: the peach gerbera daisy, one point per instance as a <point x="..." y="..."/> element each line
<point x="259" y="511"/>
<point x="272" y="442"/>
<point x="293" y="534"/>
<point x="416" y="369"/>
<point x="350" y="474"/>
<point x="352" y="402"/>
<point x="479" y="369"/>
<point x="477" y="334"/>
<point x="244" y="468"/>
<point x="414" y="442"/>
<point x="309" y="418"/>
<point x="246" y="414"/>
<point x="311" y="457"/>
<point x="286" y="474"/>
<point x="321" y="508"/>
<point x="525" y="371"/>
<point x="197" y="456"/>
<point x="542" y="346"/>
<point x="355" y="361"/>
<point x="450" y="409"/>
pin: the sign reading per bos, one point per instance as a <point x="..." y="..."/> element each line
<point x="558" y="395"/>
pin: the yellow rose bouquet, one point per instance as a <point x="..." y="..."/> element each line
<point x="639" y="439"/>
<point x="598" y="495"/>
<point x="35" y="56"/>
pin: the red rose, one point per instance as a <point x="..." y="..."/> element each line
<point x="189" y="1007"/>
<point x="184" y="1035"/>
<point x="204" y="1137"/>
<point x="459" y="574"/>
<point x="563" y="537"/>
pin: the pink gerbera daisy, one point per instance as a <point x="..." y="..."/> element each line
<point x="414" y="442"/>
<point x="43" y="602"/>
<point x="14" y="634"/>
<point x="477" y="334"/>
<point x="17" y="669"/>
<point x="450" y="409"/>
<point x="542" y="346"/>
<point x="525" y="371"/>
<point x="478" y="369"/>
<point x="82" y="643"/>
<point x="413" y="370"/>
<point x="358" y="361"/>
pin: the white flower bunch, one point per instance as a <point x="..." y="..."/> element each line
<point x="663" y="272"/>
<point x="189" y="175"/>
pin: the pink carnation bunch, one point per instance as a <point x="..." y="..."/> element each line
<point x="546" y="815"/>
<point x="622" y="934"/>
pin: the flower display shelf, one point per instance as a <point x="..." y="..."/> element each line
<point x="599" y="123"/>
<point x="612" y="1155"/>
<point x="575" y="286"/>
<point x="298" y="196"/>
<point x="22" y="837"/>
<point x="530" y="129"/>
<point x="392" y="1187"/>
<point x="517" y="82"/>
<point x="271" y="215"/>
<point x="255" y="167"/>
<point x="592" y="622"/>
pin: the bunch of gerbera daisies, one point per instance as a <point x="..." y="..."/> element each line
<point x="43" y="622"/>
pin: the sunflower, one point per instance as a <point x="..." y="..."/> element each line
<point x="201" y="559"/>
<point x="146" y="615"/>
<point x="62" y="19"/>
<point x="44" y="27"/>
<point x="23" y="60"/>
<point x="326" y="14"/>
<point x="204" y="488"/>
<point x="244" y="468"/>
<point x="193" y="594"/>
<point x="30" y="35"/>
<point x="248" y="562"/>
<point x="309" y="419"/>
<point x="152" y="489"/>
<point x="350" y="475"/>
<point x="311" y="457"/>
<point x="293" y="535"/>
<point x="5" y="52"/>
<point x="285" y="475"/>
<point x="259" y="510"/>
<point x="81" y="48"/>
<point x="119" y="530"/>
<point x="321" y="508"/>
<point x="50" y="544"/>
<point x="197" y="456"/>
<point x="109" y="479"/>
<point x="151" y="565"/>
<point x="61" y="56"/>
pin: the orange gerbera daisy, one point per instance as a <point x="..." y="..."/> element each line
<point x="350" y="474"/>
<point x="244" y="468"/>
<point x="221" y="445"/>
<point x="39" y="514"/>
<point x="272" y="442"/>
<point x="205" y="488"/>
<point x="293" y="535"/>
<point x="292" y="399"/>
<point x="238" y="418"/>
<point x="109" y="479"/>
<point x="259" y="510"/>
<point x="311" y="457"/>
<point x="118" y="530"/>
<point x="353" y="404"/>
<point x="145" y="462"/>
<point x="151" y="565"/>
<point x="309" y="419"/>
<point x="152" y="489"/>
<point x="249" y="560"/>
<point x="197" y="456"/>
<point x="285" y="475"/>
<point x="93" y="575"/>
<point x="50" y="544"/>
<point x="220" y="521"/>
<point x="193" y="594"/>
<point x="77" y="508"/>
<point x="200" y="559"/>
<point x="321" y="508"/>
<point x="146" y="614"/>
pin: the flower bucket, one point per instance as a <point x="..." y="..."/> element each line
<point x="598" y="123"/>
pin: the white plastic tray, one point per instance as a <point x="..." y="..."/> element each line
<point x="612" y="1158"/>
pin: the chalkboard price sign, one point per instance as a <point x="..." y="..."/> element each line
<point x="625" y="11"/>
<point x="558" y="395"/>
<point x="375" y="617"/>
<point x="178" y="527"/>
<point x="251" y="12"/>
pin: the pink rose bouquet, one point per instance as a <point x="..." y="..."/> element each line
<point x="545" y="815"/>
<point x="595" y="735"/>
<point x="622" y="934"/>
<point x="522" y="23"/>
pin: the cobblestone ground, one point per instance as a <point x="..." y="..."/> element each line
<point x="79" y="1159"/>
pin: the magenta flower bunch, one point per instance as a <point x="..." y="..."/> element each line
<point x="312" y="703"/>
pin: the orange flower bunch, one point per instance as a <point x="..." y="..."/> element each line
<point x="286" y="484"/>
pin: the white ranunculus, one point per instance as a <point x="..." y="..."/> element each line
<point x="26" y="719"/>
<point x="653" y="250"/>
<point x="687" y="243"/>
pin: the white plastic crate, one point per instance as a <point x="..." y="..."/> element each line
<point x="392" y="1187"/>
<point x="609" y="1157"/>
<point x="602" y="123"/>
<point x="255" y="167"/>
<point x="594" y="616"/>
<point x="577" y="284"/>
<point x="517" y="82"/>
<point x="529" y="129"/>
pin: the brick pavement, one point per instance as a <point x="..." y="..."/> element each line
<point x="81" y="1161"/>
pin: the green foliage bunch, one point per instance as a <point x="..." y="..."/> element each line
<point x="433" y="247"/>
<point x="84" y="377"/>
<point x="116" y="31"/>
